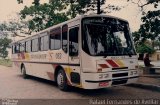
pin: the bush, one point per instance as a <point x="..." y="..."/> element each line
<point x="6" y="62"/>
<point x="144" y="49"/>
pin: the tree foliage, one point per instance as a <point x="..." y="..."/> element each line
<point x="42" y="16"/>
<point x="13" y="28"/>
<point x="4" y="44"/>
<point x="149" y="29"/>
<point x="146" y="3"/>
<point x="143" y="48"/>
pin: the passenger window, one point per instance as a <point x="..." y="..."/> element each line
<point x="35" y="45"/>
<point x="73" y="41"/>
<point x="22" y="47"/>
<point x="28" y="46"/>
<point x="16" y="48"/>
<point x="55" y="39"/>
<point x="44" y="43"/>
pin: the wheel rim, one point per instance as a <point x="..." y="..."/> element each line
<point x="60" y="79"/>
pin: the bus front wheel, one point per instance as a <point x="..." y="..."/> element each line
<point x="62" y="80"/>
<point x="24" y="72"/>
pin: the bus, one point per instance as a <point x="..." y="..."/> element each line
<point x="89" y="52"/>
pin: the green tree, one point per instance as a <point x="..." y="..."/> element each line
<point x="45" y="15"/>
<point x="143" y="48"/>
<point x="149" y="29"/>
<point x="4" y="45"/>
<point x="157" y="45"/>
<point x="13" y="28"/>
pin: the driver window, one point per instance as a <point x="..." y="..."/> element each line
<point x="73" y="41"/>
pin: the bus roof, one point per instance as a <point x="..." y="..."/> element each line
<point x="60" y="24"/>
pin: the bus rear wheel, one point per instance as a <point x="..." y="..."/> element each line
<point x="62" y="80"/>
<point x="23" y="70"/>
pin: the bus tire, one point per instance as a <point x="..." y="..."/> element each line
<point x="62" y="80"/>
<point x="23" y="69"/>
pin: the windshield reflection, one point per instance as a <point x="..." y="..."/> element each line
<point x="106" y="36"/>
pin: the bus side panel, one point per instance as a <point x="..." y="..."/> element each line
<point x="42" y="70"/>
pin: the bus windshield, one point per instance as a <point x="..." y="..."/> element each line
<point x="104" y="36"/>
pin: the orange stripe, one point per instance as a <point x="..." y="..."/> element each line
<point x="120" y="63"/>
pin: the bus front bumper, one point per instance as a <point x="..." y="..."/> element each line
<point x="92" y="81"/>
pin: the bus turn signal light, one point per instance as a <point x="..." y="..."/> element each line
<point x="99" y="70"/>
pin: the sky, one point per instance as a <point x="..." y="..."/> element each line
<point x="9" y="9"/>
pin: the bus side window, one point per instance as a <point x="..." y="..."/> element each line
<point x="28" y="46"/>
<point x="73" y="41"/>
<point x="22" y="47"/>
<point x="35" y="45"/>
<point x="44" y="43"/>
<point x="17" y="48"/>
<point x="64" y="38"/>
<point x="55" y="39"/>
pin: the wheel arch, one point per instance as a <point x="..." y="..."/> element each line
<point x="22" y="64"/>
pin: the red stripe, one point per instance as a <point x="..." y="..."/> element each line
<point x="112" y="63"/>
<point x="103" y="65"/>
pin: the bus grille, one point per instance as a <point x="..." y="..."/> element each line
<point x="120" y="75"/>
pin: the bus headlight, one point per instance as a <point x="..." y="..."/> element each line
<point x="133" y="72"/>
<point x="103" y="76"/>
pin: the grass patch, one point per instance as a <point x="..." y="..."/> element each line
<point x="6" y="62"/>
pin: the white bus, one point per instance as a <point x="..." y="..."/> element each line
<point x="90" y="52"/>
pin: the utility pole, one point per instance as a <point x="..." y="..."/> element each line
<point x="98" y="7"/>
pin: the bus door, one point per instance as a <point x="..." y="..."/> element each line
<point x="74" y="58"/>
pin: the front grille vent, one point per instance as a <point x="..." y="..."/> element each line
<point x="120" y="75"/>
